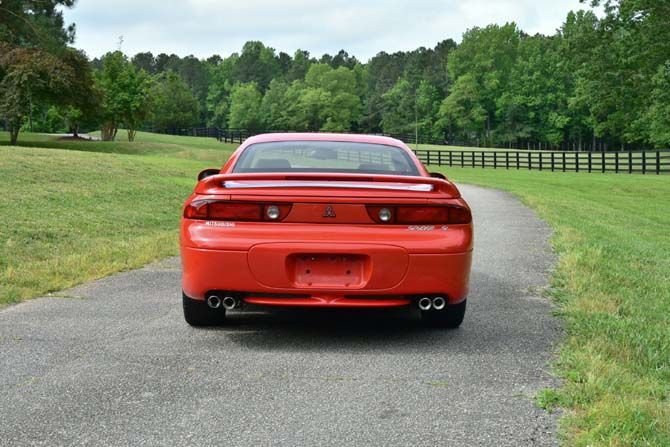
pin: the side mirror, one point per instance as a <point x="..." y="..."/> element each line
<point x="438" y="175"/>
<point x="208" y="173"/>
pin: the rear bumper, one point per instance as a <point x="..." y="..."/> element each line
<point x="208" y="270"/>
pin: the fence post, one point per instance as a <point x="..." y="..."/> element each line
<point x="552" y="162"/>
<point x="483" y="160"/>
<point x="563" y="161"/>
<point x="472" y="158"/>
<point x="602" y="160"/>
<point x="658" y="162"/>
<point x="577" y="161"/>
<point x="644" y="162"/>
<point x="450" y="158"/>
<point x="616" y="162"/>
<point x="529" y="161"/>
<point x="462" y="160"/>
<point x="590" y="154"/>
<point x="495" y="160"/>
<point x="630" y="162"/>
<point x="439" y="158"/>
<point x="506" y="160"/>
<point x="517" y="161"/>
<point x="540" y="159"/>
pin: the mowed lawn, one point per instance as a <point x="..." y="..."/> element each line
<point x="612" y="287"/>
<point x="68" y="216"/>
<point x="189" y="148"/>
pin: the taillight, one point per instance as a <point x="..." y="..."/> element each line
<point x="236" y="211"/>
<point x="420" y="215"/>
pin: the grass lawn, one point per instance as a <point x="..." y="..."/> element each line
<point x="612" y="285"/>
<point x="69" y="216"/>
<point x="190" y="148"/>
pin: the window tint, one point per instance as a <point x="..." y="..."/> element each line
<point x="325" y="156"/>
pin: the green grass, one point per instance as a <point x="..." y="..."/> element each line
<point x="612" y="286"/>
<point x="69" y="216"/>
<point x="146" y="144"/>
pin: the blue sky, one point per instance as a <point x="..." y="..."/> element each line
<point x="363" y="28"/>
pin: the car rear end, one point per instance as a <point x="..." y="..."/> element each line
<point x="325" y="239"/>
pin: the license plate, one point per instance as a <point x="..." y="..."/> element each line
<point x="325" y="270"/>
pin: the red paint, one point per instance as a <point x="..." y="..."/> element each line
<point x="326" y="246"/>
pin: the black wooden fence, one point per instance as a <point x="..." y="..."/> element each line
<point x="644" y="162"/>
<point x="631" y="162"/>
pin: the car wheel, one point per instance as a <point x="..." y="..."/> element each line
<point x="450" y="318"/>
<point x="197" y="313"/>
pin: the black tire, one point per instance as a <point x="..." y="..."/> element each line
<point x="449" y="318"/>
<point x="198" y="313"/>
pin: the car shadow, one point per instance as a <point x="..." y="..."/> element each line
<point x="500" y="318"/>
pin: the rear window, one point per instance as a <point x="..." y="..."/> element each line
<point x="325" y="156"/>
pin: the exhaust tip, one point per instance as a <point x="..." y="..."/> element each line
<point x="213" y="301"/>
<point x="425" y="303"/>
<point x="439" y="303"/>
<point x="229" y="302"/>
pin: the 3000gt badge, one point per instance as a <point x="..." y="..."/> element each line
<point x="421" y="227"/>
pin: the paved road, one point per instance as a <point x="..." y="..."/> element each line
<point x="115" y="364"/>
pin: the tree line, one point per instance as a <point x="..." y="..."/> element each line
<point x="600" y="82"/>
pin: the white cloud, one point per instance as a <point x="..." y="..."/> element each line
<point x="363" y="28"/>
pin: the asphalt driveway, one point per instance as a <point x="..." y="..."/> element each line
<point x="115" y="364"/>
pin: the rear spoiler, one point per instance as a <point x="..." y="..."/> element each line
<point x="223" y="183"/>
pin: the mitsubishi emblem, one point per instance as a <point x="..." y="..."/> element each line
<point x="329" y="212"/>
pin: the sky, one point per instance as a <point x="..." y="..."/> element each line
<point x="361" y="27"/>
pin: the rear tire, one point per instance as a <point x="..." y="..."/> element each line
<point x="450" y="317"/>
<point x="198" y="313"/>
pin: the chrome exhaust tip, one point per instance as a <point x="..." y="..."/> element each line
<point x="425" y="303"/>
<point x="229" y="302"/>
<point x="213" y="301"/>
<point x="439" y="303"/>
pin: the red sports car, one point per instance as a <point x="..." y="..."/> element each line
<point x="325" y="221"/>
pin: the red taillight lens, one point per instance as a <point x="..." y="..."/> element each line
<point x="233" y="211"/>
<point x="422" y="215"/>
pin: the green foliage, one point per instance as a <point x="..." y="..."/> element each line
<point x="173" y="103"/>
<point x="30" y="76"/>
<point x="125" y="95"/>
<point x="658" y="114"/>
<point x="245" y="107"/>
<point x="273" y="106"/>
<point x="35" y="23"/>
<point x="486" y="56"/>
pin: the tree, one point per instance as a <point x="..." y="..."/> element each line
<point x="36" y="24"/>
<point x="462" y="112"/>
<point x="486" y="56"/>
<point x="80" y="102"/>
<point x="173" y="103"/>
<point x="218" y="94"/>
<point x="658" y="113"/>
<point x="258" y="64"/>
<point x="245" y="105"/>
<point x="125" y="95"/>
<point x="274" y="105"/>
<point x="29" y="76"/>
<point x="399" y="108"/>
<point x="145" y="61"/>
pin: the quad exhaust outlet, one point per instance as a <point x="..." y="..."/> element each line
<point x="229" y="302"/>
<point x="425" y="303"/>
<point x="213" y="301"/>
